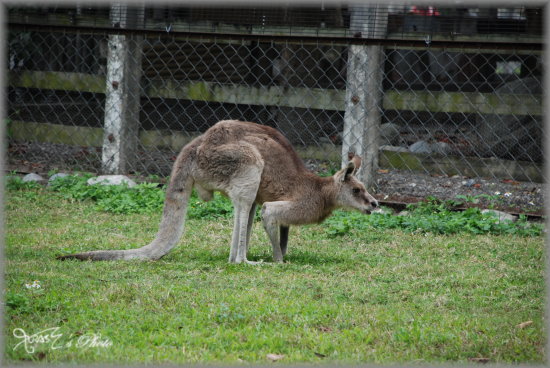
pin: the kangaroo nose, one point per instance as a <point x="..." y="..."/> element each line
<point x="374" y="203"/>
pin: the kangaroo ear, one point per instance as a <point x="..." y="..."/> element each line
<point x="356" y="160"/>
<point x="350" y="170"/>
<point x="345" y="173"/>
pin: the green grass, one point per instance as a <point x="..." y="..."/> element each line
<point x="363" y="295"/>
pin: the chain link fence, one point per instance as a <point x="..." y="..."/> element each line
<point x="94" y="100"/>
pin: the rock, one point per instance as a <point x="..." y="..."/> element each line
<point x="469" y="182"/>
<point x="393" y="148"/>
<point x="56" y="176"/>
<point x="441" y="148"/>
<point x="111" y="180"/>
<point x="404" y="213"/>
<point x="501" y="216"/>
<point x="389" y="134"/>
<point x="420" y="147"/>
<point x="32" y="177"/>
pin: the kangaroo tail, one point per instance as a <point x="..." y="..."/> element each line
<point x="173" y="217"/>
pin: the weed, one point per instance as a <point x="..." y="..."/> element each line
<point x="432" y="216"/>
<point x="218" y="207"/>
<point x="17" y="302"/>
<point x="143" y="198"/>
<point x="53" y="172"/>
<point x="16" y="183"/>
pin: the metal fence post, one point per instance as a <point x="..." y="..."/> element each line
<point x="122" y="92"/>
<point x="364" y="91"/>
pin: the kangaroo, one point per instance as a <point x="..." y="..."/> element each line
<point x="253" y="165"/>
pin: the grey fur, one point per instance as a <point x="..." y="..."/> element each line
<point x="251" y="164"/>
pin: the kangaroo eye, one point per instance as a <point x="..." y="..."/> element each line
<point x="356" y="190"/>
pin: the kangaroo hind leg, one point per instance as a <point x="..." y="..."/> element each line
<point x="283" y="231"/>
<point x="251" y="215"/>
<point x="274" y="216"/>
<point x="241" y="233"/>
<point x="237" y="230"/>
<point x="234" y="168"/>
<point x="243" y="191"/>
<point x="243" y="202"/>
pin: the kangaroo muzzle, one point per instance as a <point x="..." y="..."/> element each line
<point x="372" y="203"/>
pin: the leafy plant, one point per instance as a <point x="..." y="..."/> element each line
<point x="432" y="216"/>
<point x="16" y="183"/>
<point x="52" y="172"/>
<point x="143" y="198"/>
<point x="218" y="207"/>
<point x="17" y="302"/>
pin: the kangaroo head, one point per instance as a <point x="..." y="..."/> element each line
<point x="351" y="193"/>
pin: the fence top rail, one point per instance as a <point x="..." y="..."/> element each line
<point x="528" y="44"/>
<point x="323" y="99"/>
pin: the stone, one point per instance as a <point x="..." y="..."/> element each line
<point x="111" y="180"/>
<point x="56" y="176"/>
<point x="32" y="177"/>
<point x="393" y="148"/>
<point x="441" y="148"/>
<point x="420" y="147"/>
<point x="501" y="216"/>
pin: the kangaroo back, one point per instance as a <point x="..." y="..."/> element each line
<point x="252" y="164"/>
<point x="173" y="216"/>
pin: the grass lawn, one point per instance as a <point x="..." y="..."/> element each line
<point x="371" y="296"/>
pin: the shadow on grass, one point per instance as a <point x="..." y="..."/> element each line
<point x="218" y="258"/>
<point x="312" y="258"/>
<point x="294" y="257"/>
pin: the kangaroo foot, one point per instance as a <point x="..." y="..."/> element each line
<point x="253" y="262"/>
